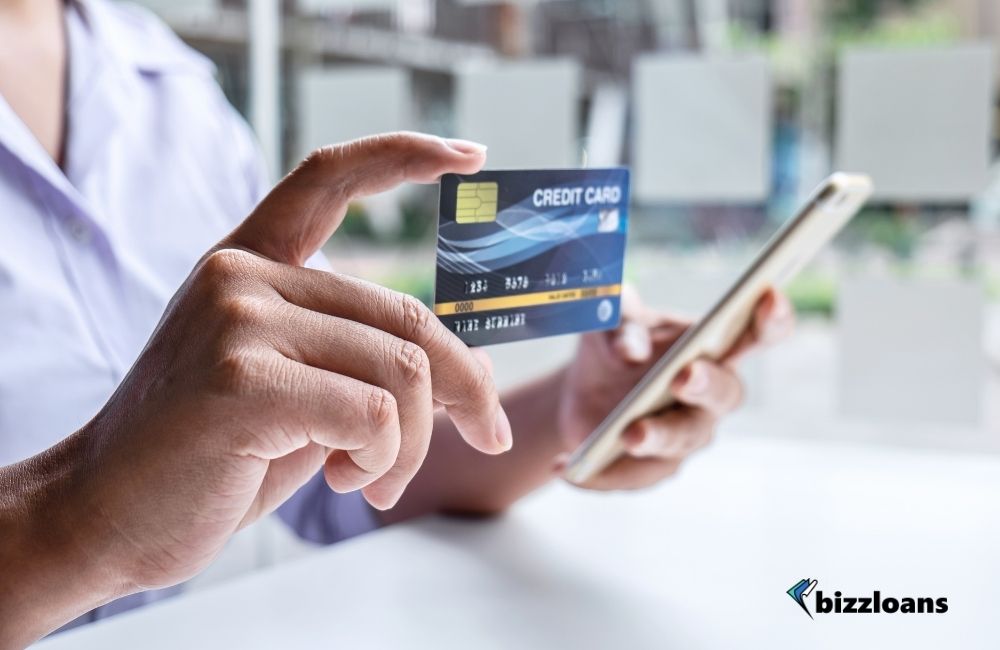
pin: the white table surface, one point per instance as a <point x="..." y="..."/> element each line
<point x="701" y="562"/>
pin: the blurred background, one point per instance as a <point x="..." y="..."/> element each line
<point x="728" y="113"/>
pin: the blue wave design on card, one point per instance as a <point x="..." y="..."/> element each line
<point x="523" y="254"/>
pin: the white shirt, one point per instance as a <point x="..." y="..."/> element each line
<point x="158" y="168"/>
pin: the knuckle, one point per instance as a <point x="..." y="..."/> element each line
<point x="412" y="363"/>
<point x="481" y="383"/>
<point x="386" y="143"/>
<point x="238" y="372"/>
<point x="323" y="169"/>
<point x="646" y="429"/>
<point x="379" y="145"/>
<point x="322" y="157"/>
<point x="380" y="408"/>
<point x="225" y="264"/>
<point x="417" y="321"/>
<point x="375" y="458"/>
<point x="237" y="311"/>
<point x="223" y="282"/>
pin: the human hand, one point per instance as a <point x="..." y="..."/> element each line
<point x="260" y="373"/>
<point x="609" y="364"/>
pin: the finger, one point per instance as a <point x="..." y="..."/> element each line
<point x="675" y="433"/>
<point x="632" y="342"/>
<point x="632" y="307"/>
<point x="662" y="334"/>
<point x="356" y="466"/>
<point x="630" y="473"/>
<point x="331" y="410"/>
<point x="483" y="358"/>
<point x="458" y="380"/>
<point x="374" y="357"/>
<point x="308" y="205"/>
<point x="709" y="385"/>
<point x="773" y="320"/>
<point x="284" y="477"/>
<point x="642" y="332"/>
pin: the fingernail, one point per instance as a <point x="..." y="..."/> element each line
<point x="635" y="341"/>
<point x="466" y="147"/>
<point x="503" y="432"/>
<point x="560" y="463"/>
<point x="697" y="380"/>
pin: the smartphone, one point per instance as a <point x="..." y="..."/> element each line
<point x="830" y="207"/>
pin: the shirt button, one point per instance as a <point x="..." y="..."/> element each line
<point x="79" y="231"/>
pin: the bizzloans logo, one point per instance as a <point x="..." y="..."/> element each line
<point x="874" y="604"/>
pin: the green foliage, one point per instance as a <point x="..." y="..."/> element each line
<point x="893" y="231"/>
<point x="418" y="222"/>
<point x="356" y="224"/>
<point x="860" y="14"/>
<point x="416" y="283"/>
<point x="813" y="293"/>
<point x="992" y="282"/>
<point x="854" y="22"/>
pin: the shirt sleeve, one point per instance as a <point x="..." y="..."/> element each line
<point x="318" y="514"/>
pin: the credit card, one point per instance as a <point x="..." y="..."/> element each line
<point x="526" y="254"/>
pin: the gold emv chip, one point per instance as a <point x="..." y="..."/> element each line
<point x="476" y="203"/>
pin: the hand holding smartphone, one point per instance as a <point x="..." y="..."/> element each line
<point x="831" y="206"/>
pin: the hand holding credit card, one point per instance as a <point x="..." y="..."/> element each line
<point x="525" y="254"/>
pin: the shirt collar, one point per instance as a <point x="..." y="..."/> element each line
<point x="111" y="48"/>
<point x="23" y="147"/>
<point x="132" y="37"/>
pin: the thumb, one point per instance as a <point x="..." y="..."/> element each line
<point x="309" y="204"/>
<point x="632" y="340"/>
<point x="633" y="343"/>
